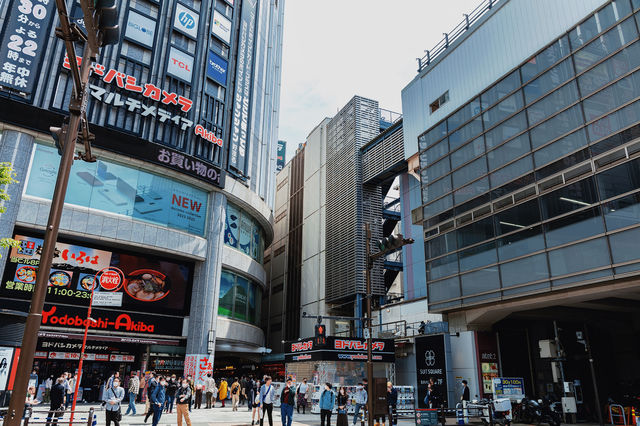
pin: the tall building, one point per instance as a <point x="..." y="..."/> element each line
<point x="526" y="129"/>
<point x="174" y="216"/>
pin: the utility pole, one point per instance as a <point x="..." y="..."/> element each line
<point x="100" y="31"/>
<point x="593" y="375"/>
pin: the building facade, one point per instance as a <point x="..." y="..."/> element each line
<point x="527" y="160"/>
<point x="176" y="212"/>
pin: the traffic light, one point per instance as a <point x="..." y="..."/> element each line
<point x="321" y="337"/>
<point x="391" y="242"/>
<point x="106" y="22"/>
<point x="59" y="134"/>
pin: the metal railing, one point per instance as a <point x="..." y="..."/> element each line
<point x="456" y="32"/>
<point x="401" y="329"/>
<point x="389" y="116"/>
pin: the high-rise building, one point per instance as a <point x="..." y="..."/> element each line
<point x="174" y="216"/>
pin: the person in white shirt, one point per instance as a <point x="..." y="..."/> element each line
<point x="267" y="393"/>
<point x="47" y="388"/>
<point x="210" y="389"/>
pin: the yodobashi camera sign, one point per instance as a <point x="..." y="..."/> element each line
<point x="185" y="20"/>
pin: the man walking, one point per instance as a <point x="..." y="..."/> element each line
<point x="361" y="401"/>
<point x="56" y="409"/>
<point x="287" y="402"/>
<point x="209" y="387"/>
<point x="134" y="388"/>
<point x="158" y="397"/>
<point x="392" y="403"/>
<point x="152" y="383"/>
<point x="183" y="395"/>
<point x="113" y="397"/>
<point x="47" y="388"/>
<point x="235" y="394"/>
<point x="266" y="400"/>
<point x="327" y="401"/>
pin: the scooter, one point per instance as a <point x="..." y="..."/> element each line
<point x="499" y="410"/>
<point x="540" y="411"/>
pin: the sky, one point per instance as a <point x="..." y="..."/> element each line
<point x="335" y="49"/>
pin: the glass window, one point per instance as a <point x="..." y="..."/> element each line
<point x="467" y="132"/>
<point x="240" y="306"/>
<point x="556" y="126"/>
<point x="432" y="136"/>
<point x="619" y="64"/>
<point x="519" y="217"/>
<point x="469" y="172"/>
<point x="619" y="179"/>
<point x="605" y="45"/>
<point x="553" y="103"/>
<point x="251" y="304"/>
<point x="439" y="206"/>
<point x="512" y="171"/>
<point x="504" y="109"/>
<point x="472" y="190"/>
<point x="574" y="227"/>
<point x="441" y="245"/>
<point x="584" y="32"/>
<point x="524" y="242"/>
<point x="526" y="289"/>
<point x="579" y="257"/>
<point x="258" y="305"/>
<point x="511" y="150"/>
<point x="444" y="290"/>
<point x="225" y="305"/>
<point x="525" y="270"/>
<point x="622" y="212"/>
<point x="434" y="153"/>
<point x="480" y="281"/>
<point x="506" y="130"/>
<point x="548" y="81"/>
<point x="560" y="148"/>
<point x="439" y="188"/>
<point x="569" y="198"/>
<point x="475" y="257"/>
<point x="244" y="240"/>
<point x="467" y="152"/>
<point x="613" y="96"/>
<point x="437" y="170"/>
<point x="614" y="122"/>
<point x="501" y="89"/>
<point x="475" y="232"/>
<point x="624" y="245"/>
<point x="443" y="267"/>
<point x="545" y="59"/>
<point x="464" y="114"/>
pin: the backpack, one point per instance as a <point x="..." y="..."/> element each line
<point x="234" y="390"/>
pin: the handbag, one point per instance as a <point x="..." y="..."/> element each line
<point x="118" y="414"/>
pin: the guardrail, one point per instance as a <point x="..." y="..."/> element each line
<point x="33" y="417"/>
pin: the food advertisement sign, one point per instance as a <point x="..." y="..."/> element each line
<point x="148" y="283"/>
<point x="508" y="387"/>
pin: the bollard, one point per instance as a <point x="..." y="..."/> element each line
<point x="91" y="420"/>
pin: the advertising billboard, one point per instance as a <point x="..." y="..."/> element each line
<point x="140" y="29"/>
<point x="186" y="20"/>
<point x="143" y="283"/>
<point x="120" y="189"/>
<point x="340" y="349"/>
<point x="25" y="34"/>
<point x="6" y="356"/>
<point x="244" y="80"/>
<point x="221" y="27"/>
<point x="180" y="64"/>
<point x="217" y="68"/>
<point x="431" y="363"/>
<point x="281" y="155"/>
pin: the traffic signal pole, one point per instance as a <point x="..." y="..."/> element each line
<point x="367" y="229"/>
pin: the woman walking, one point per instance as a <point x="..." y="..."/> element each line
<point x="341" y="402"/>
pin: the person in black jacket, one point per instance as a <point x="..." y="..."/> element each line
<point x="56" y="410"/>
<point x="183" y="396"/>
<point x="172" y="387"/>
<point x="392" y="403"/>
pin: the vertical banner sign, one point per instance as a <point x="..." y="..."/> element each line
<point x="244" y="78"/>
<point x="282" y="150"/>
<point x="198" y="366"/>
<point x="487" y="350"/>
<point x="24" y="37"/>
<point x="6" y="356"/>
<point x="431" y="363"/>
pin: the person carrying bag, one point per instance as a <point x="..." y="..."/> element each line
<point x="113" y="397"/>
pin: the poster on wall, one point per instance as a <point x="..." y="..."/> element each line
<point x="221" y="26"/>
<point x="140" y="29"/>
<point x="146" y="283"/>
<point x="198" y="366"/>
<point x="487" y="350"/>
<point x="281" y="155"/>
<point x="6" y="357"/>
<point x="186" y="21"/>
<point x="25" y="35"/>
<point x="232" y="226"/>
<point x="431" y="363"/>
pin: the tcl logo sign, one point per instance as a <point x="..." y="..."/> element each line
<point x="181" y="64"/>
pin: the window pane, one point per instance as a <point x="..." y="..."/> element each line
<point x="513" y="149"/>
<point x="518" y="217"/>
<point x="225" y="305"/>
<point x="556" y="126"/>
<point x="583" y="33"/>
<point x="512" y="171"/>
<point x="553" y="103"/>
<point x="624" y="245"/>
<point x="548" y="81"/>
<point x="613" y="96"/>
<point x="435" y="152"/>
<point x="240" y="309"/>
<point x="622" y="212"/>
<point x="619" y="64"/>
<point x="619" y="179"/>
<point x="439" y="206"/>
<point x="252" y="303"/>
<point x="504" y="109"/>
<point x="521" y="243"/>
<point x="560" y="148"/>
<point x="571" y="197"/>
<point x="444" y="290"/>
<point x="467" y="152"/>
<point x="432" y="136"/>
<point x="506" y="130"/>
<point x="441" y="245"/>
<point x="443" y="267"/>
<point x="464" y="114"/>
<point x="472" y="190"/>
<point x="521" y="271"/>
<point x="480" y="281"/>
<point x="545" y="59"/>
<point x="614" y="122"/>
<point x="605" y="44"/>
<point x="475" y="232"/>
<point x="504" y="87"/>
<point x="574" y="227"/>
<point x="579" y="257"/>
<point x="231" y="226"/>
<point x="244" y="241"/>
<point x="469" y="172"/>
<point x="439" y="188"/>
<point x="470" y="131"/>
<point x="475" y="257"/>
<point x="436" y="170"/>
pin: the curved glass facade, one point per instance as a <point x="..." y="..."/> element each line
<point x="240" y="298"/>
<point x="534" y="184"/>
<point x="244" y="233"/>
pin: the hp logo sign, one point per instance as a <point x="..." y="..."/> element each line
<point x="186" y="20"/>
<point x="430" y="358"/>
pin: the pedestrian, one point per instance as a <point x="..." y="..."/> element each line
<point x="466" y="394"/>
<point x="199" y="391"/>
<point x="152" y="383"/>
<point x="254" y="397"/>
<point x="302" y="396"/>
<point x="222" y="391"/>
<point x="341" y="401"/>
<point x="193" y="391"/>
<point x="158" y="398"/>
<point x="209" y="388"/>
<point x="70" y="390"/>
<point x="134" y="388"/>
<point x="183" y="395"/>
<point x="287" y="402"/>
<point x="243" y="390"/>
<point x="235" y="394"/>
<point x="392" y="403"/>
<point x="31" y="398"/>
<point x="327" y="401"/>
<point x="361" y="398"/>
<point x="113" y="397"/>
<point x="172" y="387"/>
<point x="56" y="407"/>
<point x="47" y="388"/>
<point x="267" y="396"/>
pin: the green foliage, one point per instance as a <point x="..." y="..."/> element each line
<point x="7" y="177"/>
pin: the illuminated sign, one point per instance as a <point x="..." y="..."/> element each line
<point x="339" y="349"/>
<point x="186" y="21"/>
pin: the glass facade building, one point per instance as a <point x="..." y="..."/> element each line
<point x="533" y="185"/>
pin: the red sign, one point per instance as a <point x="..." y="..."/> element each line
<point x="123" y="322"/>
<point x="302" y="346"/>
<point x="111" y="278"/>
<point x="357" y="345"/>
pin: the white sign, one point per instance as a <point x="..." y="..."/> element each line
<point x="186" y="21"/>
<point x="140" y="29"/>
<point x="107" y="298"/>
<point x="221" y="26"/>
<point x="6" y="357"/>
<point x="180" y="64"/>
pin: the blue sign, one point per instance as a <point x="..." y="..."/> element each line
<point x="187" y="20"/>
<point x="217" y="69"/>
